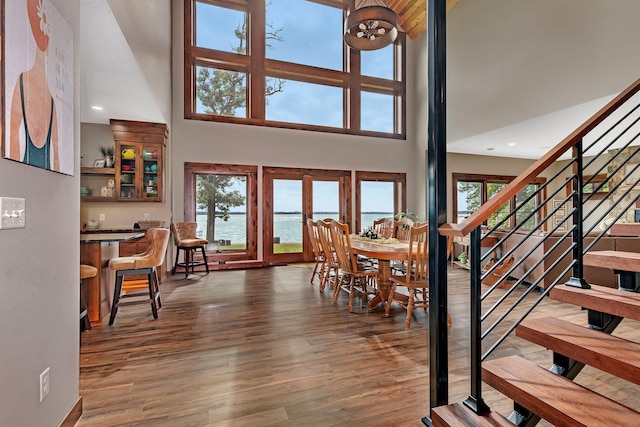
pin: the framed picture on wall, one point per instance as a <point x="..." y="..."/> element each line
<point x="37" y="81"/>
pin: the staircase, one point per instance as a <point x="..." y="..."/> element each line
<point x="549" y="395"/>
<point x="606" y="147"/>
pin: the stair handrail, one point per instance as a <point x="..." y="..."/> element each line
<point x="473" y="226"/>
<point x="514" y="187"/>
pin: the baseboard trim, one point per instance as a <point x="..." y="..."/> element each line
<point x="74" y="415"/>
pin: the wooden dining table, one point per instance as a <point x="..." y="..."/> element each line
<point x="384" y="252"/>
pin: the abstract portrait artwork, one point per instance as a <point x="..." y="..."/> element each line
<point x="38" y="86"/>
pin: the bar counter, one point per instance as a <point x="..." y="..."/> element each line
<point x="97" y="247"/>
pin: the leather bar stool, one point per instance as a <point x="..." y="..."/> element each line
<point x="144" y="263"/>
<point x="184" y="237"/>
<point x="86" y="272"/>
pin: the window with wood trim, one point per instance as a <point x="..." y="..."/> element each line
<point x="470" y="191"/>
<point x="223" y="199"/>
<point x="257" y="62"/>
<point x="379" y="195"/>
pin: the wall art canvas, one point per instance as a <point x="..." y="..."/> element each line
<point x="38" y="86"/>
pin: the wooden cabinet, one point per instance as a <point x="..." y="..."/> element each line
<point x="139" y="172"/>
<point x="139" y="166"/>
<point x="100" y="183"/>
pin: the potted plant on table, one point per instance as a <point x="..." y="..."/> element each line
<point x="107" y="153"/>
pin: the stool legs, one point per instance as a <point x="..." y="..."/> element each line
<point x="189" y="263"/>
<point x="84" y="311"/>
<point x="154" y="292"/>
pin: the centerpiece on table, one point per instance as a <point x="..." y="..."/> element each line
<point x="369" y="233"/>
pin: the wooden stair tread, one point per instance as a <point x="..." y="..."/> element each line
<point x="553" y="397"/>
<point x="458" y="415"/>
<point x="610" y="354"/>
<point x="617" y="302"/>
<point x="613" y="260"/>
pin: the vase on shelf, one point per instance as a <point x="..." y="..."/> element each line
<point x="108" y="161"/>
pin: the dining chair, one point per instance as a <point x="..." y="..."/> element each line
<point x="401" y="231"/>
<point x="416" y="277"/>
<point x="185" y="239"/>
<point x="144" y="263"/>
<point x="383" y="227"/>
<point x="332" y="272"/>
<point x="401" y="228"/>
<point x="318" y="255"/>
<point x="357" y="279"/>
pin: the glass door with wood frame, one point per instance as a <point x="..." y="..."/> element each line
<point x="294" y="197"/>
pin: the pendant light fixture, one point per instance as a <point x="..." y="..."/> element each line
<point x="370" y="27"/>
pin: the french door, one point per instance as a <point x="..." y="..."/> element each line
<point x="290" y="197"/>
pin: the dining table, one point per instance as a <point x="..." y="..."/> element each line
<point x="96" y="249"/>
<point x="385" y="251"/>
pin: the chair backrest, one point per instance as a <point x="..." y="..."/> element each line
<point x="402" y="229"/>
<point x="158" y="242"/>
<point x="326" y="242"/>
<point x="418" y="261"/>
<point x="183" y="230"/>
<point x="383" y="227"/>
<point x="342" y="246"/>
<point x="314" y="237"/>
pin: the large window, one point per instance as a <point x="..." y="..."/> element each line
<point x="470" y="191"/>
<point x="259" y="62"/>
<point x="379" y="195"/>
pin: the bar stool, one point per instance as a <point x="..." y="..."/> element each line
<point x="86" y="272"/>
<point x="184" y="237"/>
<point x="144" y="263"/>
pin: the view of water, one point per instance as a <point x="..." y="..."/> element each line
<point x="287" y="226"/>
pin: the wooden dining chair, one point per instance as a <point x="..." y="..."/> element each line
<point x="318" y="254"/>
<point x="401" y="231"/>
<point x="356" y="280"/>
<point x="401" y="228"/>
<point x="383" y="227"/>
<point x="332" y="271"/>
<point x="416" y="278"/>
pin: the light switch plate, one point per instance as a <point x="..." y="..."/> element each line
<point x="12" y="213"/>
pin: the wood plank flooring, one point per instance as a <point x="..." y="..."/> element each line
<point x="263" y="347"/>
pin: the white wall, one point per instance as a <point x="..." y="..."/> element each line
<point x="39" y="289"/>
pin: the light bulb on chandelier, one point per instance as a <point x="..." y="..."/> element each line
<point x="371" y="27"/>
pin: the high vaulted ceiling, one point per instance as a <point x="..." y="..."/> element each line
<point x="412" y="14"/>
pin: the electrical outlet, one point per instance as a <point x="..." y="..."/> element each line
<point x="12" y="212"/>
<point x="45" y="384"/>
<point x="146" y="217"/>
<point x="102" y="217"/>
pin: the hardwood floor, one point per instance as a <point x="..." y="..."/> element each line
<point x="263" y="347"/>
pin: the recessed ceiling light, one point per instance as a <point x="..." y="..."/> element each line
<point x="511" y="144"/>
<point x="490" y="149"/>
<point x="97" y="108"/>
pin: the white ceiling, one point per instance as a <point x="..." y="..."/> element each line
<point x="109" y="74"/>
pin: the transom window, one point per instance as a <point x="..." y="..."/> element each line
<point x="262" y="62"/>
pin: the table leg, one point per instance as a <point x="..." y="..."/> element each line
<point x="384" y="284"/>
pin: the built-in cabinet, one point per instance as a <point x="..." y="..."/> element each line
<point x="139" y="171"/>
<point x="137" y="175"/>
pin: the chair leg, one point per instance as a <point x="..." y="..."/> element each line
<point x="116" y="297"/>
<point x="157" y="287"/>
<point x="152" y="294"/>
<point x="175" y="264"/>
<point x="412" y="295"/>
<point x="204" y="258"/>
<point x="84" y="312"/>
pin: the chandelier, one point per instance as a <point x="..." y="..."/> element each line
<point x="371" y="27"/>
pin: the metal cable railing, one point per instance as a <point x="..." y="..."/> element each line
<point x="544" y="246"/>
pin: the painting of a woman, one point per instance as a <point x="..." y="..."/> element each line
<point x="33" y="135"/>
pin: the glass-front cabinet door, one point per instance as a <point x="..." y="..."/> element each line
<point x="139" y="172"/>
